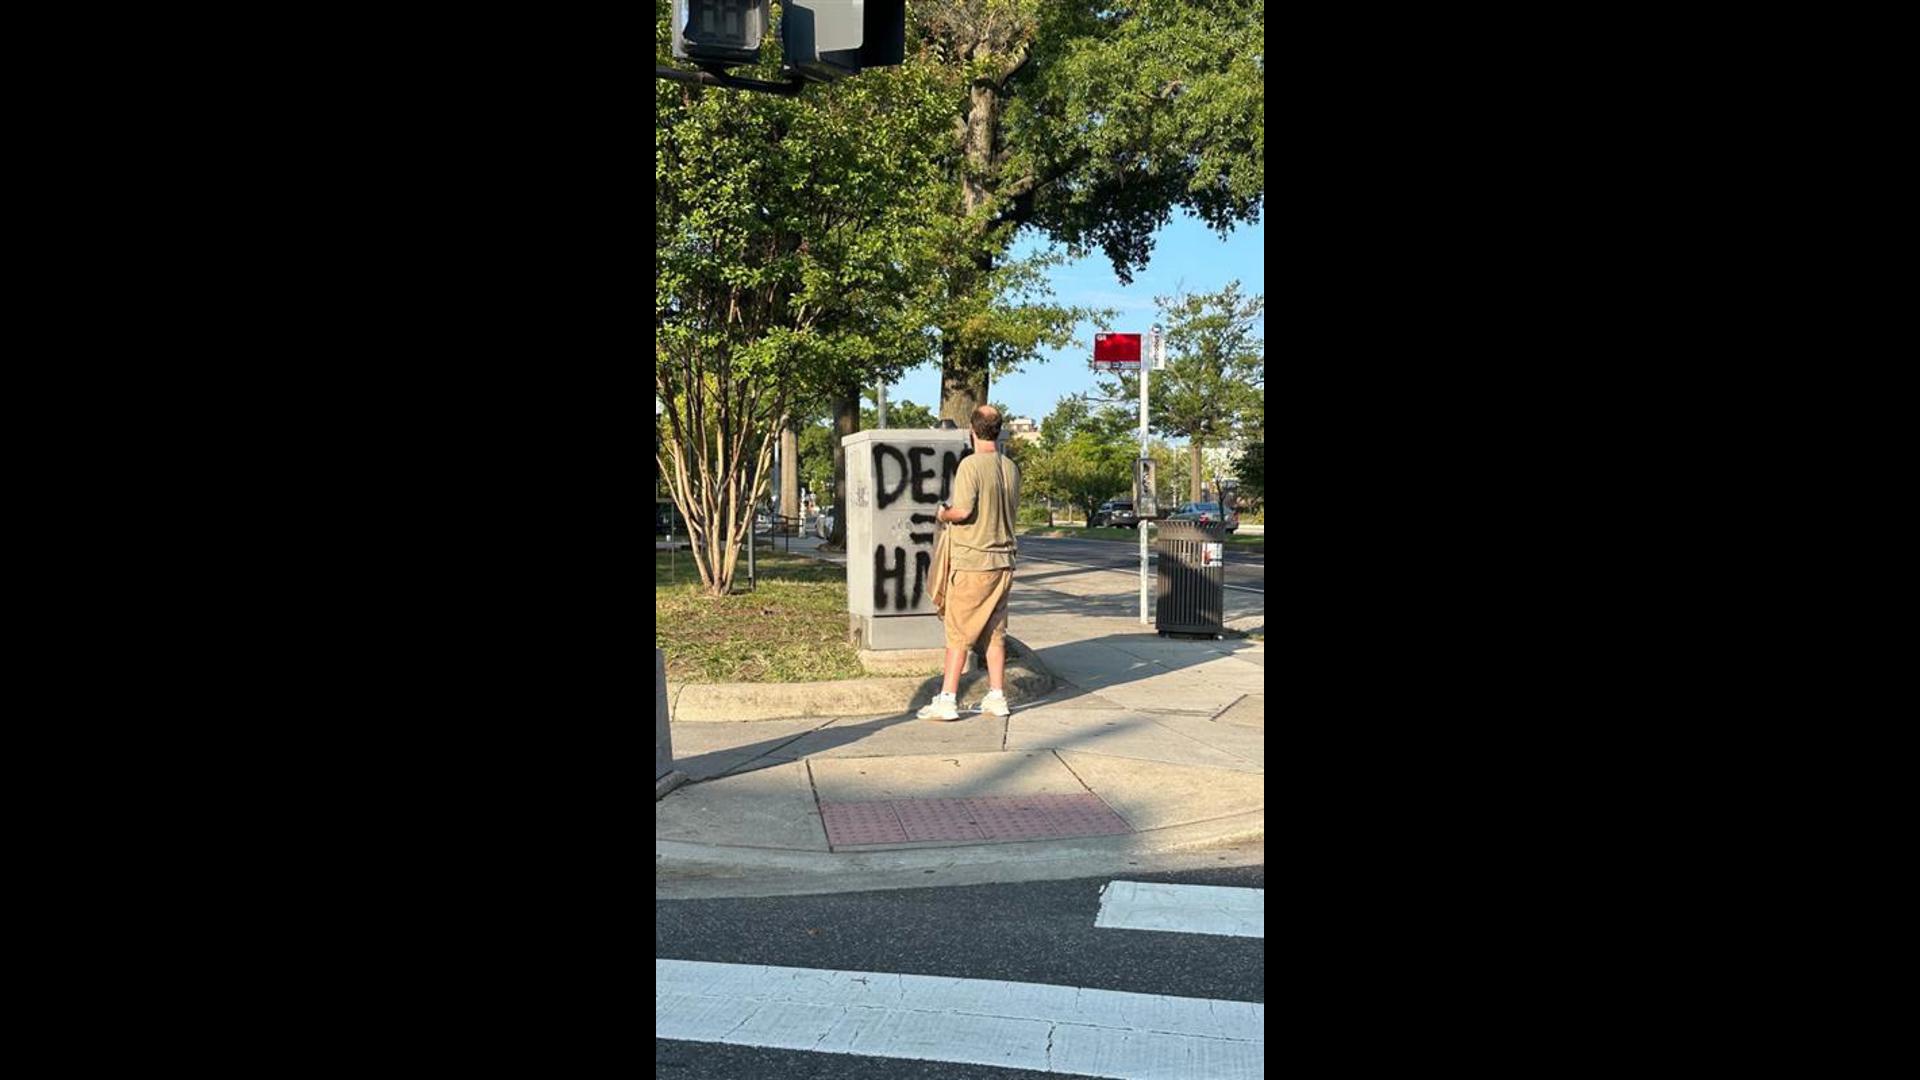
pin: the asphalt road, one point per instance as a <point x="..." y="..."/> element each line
<point x="1245" y="569"/>
<point x="1040" y="932"/>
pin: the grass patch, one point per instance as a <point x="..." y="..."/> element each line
<point x="791" y="628"/>
<point x="1078" y="532"/>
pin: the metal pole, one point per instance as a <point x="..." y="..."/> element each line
<point x="883" y="405"/>
<point x="1145" y="369"/>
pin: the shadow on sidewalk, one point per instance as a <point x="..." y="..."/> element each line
<point x="1168" y="656"/>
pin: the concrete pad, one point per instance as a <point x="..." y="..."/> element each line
<point x="1153" y="795"/>
<point x="1249" y="711"/>
<point x="949" y="776"/>
<point x="1115" y="733"/>
<point x="1230" y="670"/>
<point x="707" y="750"/>
<point x="888" y="736"/>
<point x="1177" y="692"/>
<point x="1237" y="741"/>
<point x="1086" y="663"/>
<point x="765" y="808"/>
<point x="1172" y="652"/>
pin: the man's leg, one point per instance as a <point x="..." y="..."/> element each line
<point x="996" y="663"/>
<point x="956" y="659"/>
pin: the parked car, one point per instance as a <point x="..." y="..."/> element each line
<point x="1117" y="513"/>
<point x="824" y="523"/>
<point x="1208" y="513"/>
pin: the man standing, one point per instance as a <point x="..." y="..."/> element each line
<point x="986" y="498"/>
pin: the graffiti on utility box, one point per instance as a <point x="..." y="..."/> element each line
<point x="898" y="479"/>
<point x="909" y="472"/>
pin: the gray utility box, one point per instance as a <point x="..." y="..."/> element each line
<point x="1192" y="580"/>
<point x="896" y="480"/>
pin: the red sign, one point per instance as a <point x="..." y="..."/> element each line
<point x="1117" y="350"/>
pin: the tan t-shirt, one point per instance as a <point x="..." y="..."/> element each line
<point x="987" y="487"/>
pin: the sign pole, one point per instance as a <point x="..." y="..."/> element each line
<point x="1141" y="498"/>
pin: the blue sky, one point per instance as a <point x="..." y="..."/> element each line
<point x="1187" y="256"/>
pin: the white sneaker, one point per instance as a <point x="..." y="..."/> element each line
<point x="942" y="707"/>
<point x="995" y="703"/>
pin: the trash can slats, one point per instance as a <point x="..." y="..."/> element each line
<point x="1192" y="578"/>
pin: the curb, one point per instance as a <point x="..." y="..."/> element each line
<point x="686" y="858"/>
<point x="719" y="703"/>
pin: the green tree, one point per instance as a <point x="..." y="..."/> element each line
<point x="1074" y="415"/>
<point x="1089" y="123"/>
<point x="900" y="414"/>
<point x="1216" y="367"/>
<point x="1082" y="471"/>
<point x="816" y="459"/>
<point x="1251" y="471"/>
<point x="797" y="257"/>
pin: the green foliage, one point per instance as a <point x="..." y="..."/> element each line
<point x="816" y="458"/>
<point x="1083" y="470"/>
<point x="1093" y="122"/>
<point x="900" y="414"/>
<point x="1216" y="366"/>
<point x="799" y="247"/>
<point x="1251" y="471"/>
<point x="1074" y="416"/>
<point x="1123" y="114"/>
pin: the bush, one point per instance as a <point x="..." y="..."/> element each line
<point x="1032" y="514"/>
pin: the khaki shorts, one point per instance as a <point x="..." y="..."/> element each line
<point x="977" y="607"/>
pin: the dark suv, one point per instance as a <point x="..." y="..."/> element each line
<point x="1115" y="512"/>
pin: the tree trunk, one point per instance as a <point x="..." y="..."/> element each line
<point x="846" y="421"/>
<point x="1193" y="453"/>
<point x="963" y="375"/>
<point x="790" y="470"/>
<point x="963" y="383"/>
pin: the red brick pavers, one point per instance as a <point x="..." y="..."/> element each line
<point x="991" y="819"/>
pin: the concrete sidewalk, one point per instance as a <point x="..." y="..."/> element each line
<point x="1163" y="738"/>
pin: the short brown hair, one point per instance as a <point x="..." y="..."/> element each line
<point x="986" y="422"/>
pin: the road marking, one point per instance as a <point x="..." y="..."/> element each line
<point x="1059" y="1029"/>
<point x="1127" y="570"/>
<point x="1186" y="909"/>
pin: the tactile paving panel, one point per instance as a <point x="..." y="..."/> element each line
<point x="937" y="819"/>
<point x="861" y="823"/>
<point x="990" y="819"/>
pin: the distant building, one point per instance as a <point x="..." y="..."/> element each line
<point x="1023" y="429"/>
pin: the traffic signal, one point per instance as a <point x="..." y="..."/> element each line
<point x="831" y="39"/>
<point x="719" y="31"/>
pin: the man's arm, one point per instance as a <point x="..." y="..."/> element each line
<point x="966" y="495"/>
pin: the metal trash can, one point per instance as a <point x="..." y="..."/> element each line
<point x="1192" y="579"/>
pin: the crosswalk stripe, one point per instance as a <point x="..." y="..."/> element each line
<point x="1060" y="1029"/>
<point x="1189" y="909"/>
